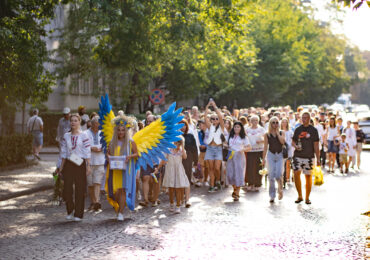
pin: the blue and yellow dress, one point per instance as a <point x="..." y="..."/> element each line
<point x="122" y="179"/>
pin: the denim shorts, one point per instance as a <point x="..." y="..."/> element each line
<point x="332" y="148"/>
<point x="37" y="138"/>
<point x="213" y="153"/>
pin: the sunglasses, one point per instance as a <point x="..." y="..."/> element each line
<point x="275" y="123"/>
<point x="214" y="119"/>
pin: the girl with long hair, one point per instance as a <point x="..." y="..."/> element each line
<point x="175" y="178"/>
<point x="213" y="157"/>
<point x="273" y="153"/>
<point x="123" y="147"/>
<point x="238" y="144"/>
<point x="75" y="166"/>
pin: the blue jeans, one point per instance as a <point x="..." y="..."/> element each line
<point x="275" y="167"/>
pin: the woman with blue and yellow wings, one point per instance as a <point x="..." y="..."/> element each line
<point x="128" y="150"/>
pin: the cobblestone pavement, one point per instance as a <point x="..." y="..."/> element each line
<point x="214" y="227"/>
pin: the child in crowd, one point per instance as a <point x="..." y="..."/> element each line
<point x="175" y="178"/>
<point x="343" y="153"/>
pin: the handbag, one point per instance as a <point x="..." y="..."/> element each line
<point x="76" y="159"/>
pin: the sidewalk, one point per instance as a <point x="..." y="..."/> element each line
<point x="26" y="181"/>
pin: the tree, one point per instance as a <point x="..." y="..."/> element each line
<point x="23" y="77"/>
<point x="355" y="3"/>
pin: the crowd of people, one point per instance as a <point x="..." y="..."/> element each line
<point x="219" y="148"/>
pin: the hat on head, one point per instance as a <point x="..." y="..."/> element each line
<point x="343" y="134"/>
<point x="80" y="108"/>
<point x="66" y="110"/>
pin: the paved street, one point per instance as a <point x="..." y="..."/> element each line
<point x="215" y="227"/>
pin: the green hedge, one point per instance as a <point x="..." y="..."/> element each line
<point x="14" y="149"/>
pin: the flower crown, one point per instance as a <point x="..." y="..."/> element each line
<point x="123" y="121"/>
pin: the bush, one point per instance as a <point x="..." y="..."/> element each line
<point x="14" y="149"/>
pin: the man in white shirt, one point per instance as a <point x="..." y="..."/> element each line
<point x="97" y="161"/>
<point x="35" y="126"/>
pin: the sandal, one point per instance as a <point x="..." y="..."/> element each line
<point x="234" y="195"/>
<point x="298" y="200"/>
<point x="143" y="203"/>
<point x="308" y="202"/>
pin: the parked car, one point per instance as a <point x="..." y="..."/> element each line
<point x="364" y="123"/>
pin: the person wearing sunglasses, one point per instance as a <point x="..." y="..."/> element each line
<point x="213" y="157"/>
<point x="273" y="153"/>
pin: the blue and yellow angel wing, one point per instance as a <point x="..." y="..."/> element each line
<point x="157" y="138"/>
<point x="106" y="116"/>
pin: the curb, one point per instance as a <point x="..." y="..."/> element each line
<point x="26" y="192"/>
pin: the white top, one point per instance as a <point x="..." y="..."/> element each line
<point x="351" y="136"/>
<point x="97" y="158"/>
<point x="332" y="132"/>
<point x="292" y="123"/>
<point x="34" y="123"/>
<point x="193" y="130"/>
<point x="320" y="130"/>
<point x="214" y="135"/>
<point x="238" y="144"/>
<point x="255" y="135"/>
<point x="343" y="147"/>
<point x="85" y="118"/>
<point x="77" y="144"/>
<point x="288" y="140"/>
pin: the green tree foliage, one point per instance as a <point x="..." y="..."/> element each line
<point x="23" y="51"/>
<point x="355" y="3"/>
<point x="240" y="52"/>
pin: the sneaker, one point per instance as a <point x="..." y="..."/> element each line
<point x="70" y="216"/>
<point x="177" y="210"/>
<point x="154" y="204"/>
<point x="76" y="219"/>
<point x="120" y="217"/>
<point x="187" y="205"/>
<point x="218" y="185"/>
<point x="91" y="207"/>
<point x="206" y="184"/>
<point x="97" y="206"/>
<point x="172" y="207"/>
<point x="198" y="184"/>
<point x="211" y="189"/>
<point x="256" y="189"/>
